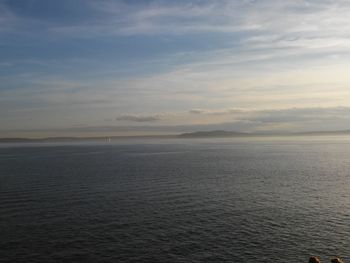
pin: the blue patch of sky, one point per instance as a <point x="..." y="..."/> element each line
<point x="63" y="11"/>
<point x="33" y="49"/>
<point x="121" y="55"/>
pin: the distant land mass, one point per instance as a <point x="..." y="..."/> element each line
<point x="220" y="134"/>
<point x="197" y="134"/>
<point x="77" y="139"/>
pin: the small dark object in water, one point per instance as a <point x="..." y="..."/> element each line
<point x="314" y="260"/>
<point x="336" y="260"/>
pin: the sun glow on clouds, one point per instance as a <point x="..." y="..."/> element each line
<point x="166" y="65"/>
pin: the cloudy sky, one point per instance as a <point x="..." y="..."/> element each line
<point x="96" y="67"/>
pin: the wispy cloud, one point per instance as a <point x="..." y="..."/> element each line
<point x="138" y="118"/>
<point x="277" y="22"/>
<point x="217" y="112"/>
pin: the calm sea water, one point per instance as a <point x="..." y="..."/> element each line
<point x="225" y="200"/>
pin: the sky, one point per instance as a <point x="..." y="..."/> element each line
<point x="103" y="67"/>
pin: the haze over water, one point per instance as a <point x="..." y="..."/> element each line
<point x="217" y="200"/>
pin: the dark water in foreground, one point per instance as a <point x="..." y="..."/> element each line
<point x="176" y="201"/>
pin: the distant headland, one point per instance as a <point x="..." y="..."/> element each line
<point x="223" y="134"/>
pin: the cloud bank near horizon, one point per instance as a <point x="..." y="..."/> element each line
<point x="289" y="120"/>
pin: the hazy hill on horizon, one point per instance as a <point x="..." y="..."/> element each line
<point x="223" y="133"/>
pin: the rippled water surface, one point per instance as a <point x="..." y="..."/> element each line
<point x="224" y="200"/>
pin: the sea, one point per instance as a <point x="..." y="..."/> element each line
<point x="176" y="200"/>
